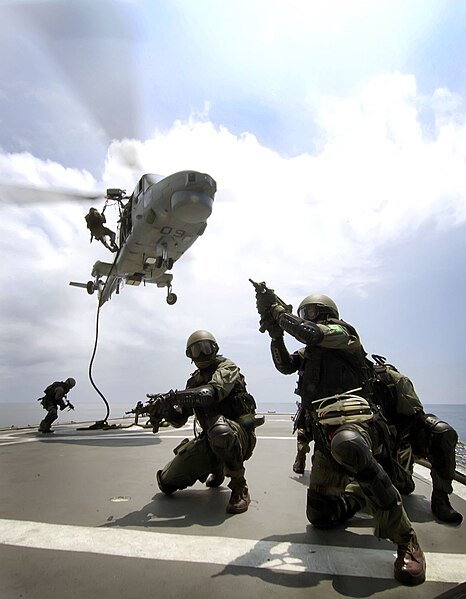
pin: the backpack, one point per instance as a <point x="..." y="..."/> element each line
<point x="384" y="390"/>
<point x="49" y="392"/>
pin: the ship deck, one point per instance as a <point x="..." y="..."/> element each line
<point x="81" y="516"/>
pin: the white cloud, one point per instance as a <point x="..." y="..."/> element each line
<point x="312" y="220"/>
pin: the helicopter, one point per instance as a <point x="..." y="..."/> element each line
<point x="158" y="222"/>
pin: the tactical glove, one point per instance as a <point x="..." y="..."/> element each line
<point x="265" y="300"/>
<point x="269" y="324"/>
<point x="275" y="310"/>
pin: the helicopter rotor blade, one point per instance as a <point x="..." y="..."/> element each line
<point x="79" y="33"/>
<point x="28" y="194"/>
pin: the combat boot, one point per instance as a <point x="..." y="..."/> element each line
<point x="441" y="508"/>
<point x="239" y="499"/>
<point x="410" y="564"/>
<point x="300" y="462"/>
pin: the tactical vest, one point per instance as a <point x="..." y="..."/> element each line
<point x="325" y="371"/>
<point x="48" y="400"/>
<point x="94" y="220"/>
<point x="50" y="390"/>
<point x="237" y="403"/>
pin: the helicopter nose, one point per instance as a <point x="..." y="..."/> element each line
<point x="191" y="206"/>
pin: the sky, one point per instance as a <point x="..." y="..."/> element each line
<point x="336" y="133"/>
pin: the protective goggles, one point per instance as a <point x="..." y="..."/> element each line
<point x="200" y="347"/>
<point x="309" y="312"/>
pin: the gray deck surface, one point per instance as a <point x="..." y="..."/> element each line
<point x="81" y="516"/>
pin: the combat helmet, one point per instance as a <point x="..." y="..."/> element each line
<point x="70" y="382"/>
<point x="316" y="305"/>
<point x="201" y="344"/>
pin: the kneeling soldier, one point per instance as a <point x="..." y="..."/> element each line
<point x="216" y="394"/>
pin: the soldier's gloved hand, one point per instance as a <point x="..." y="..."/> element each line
<point x="271" y="326"/>
<point x="264" y="301"/>
<point x="166" y="400"/>
<point x="276" y="309"/>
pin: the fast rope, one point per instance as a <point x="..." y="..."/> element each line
<point x="91" y="363"/>
<point x="104" y="421"/>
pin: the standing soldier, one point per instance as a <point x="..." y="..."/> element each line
<point x="417" y="435"/>
<point x="216" y="394"/>
<point x="54" y="398"/>
<point x="333" y="385"/>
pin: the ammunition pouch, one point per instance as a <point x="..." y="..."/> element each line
<point x="179" y="448"/>
<point x="239" y="403"/>
<point x="250" y="421"/>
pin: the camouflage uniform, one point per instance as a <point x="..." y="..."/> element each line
<point x="95" y="223"/>
<point x="335" y="491"/>
<point x="350" y="437"/>
<point x="418" y="435"/>
<point x="303" y="438"/>
<point x="197" y="458"/>
<point x="53" y="399"/>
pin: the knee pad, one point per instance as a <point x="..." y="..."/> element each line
<point x="167" y="489"/>
<point x="351" y="451"/>
<point x="221" y="435"/>
<point x="326" y="511"/>
<point x="442" y="434"/>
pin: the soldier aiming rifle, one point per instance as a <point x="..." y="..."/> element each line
<point x="334" y="385"/>
<point x="217" y="396"/>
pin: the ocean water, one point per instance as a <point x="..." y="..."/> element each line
<point x="454" y="414"/>
<point x="30" y="414"/>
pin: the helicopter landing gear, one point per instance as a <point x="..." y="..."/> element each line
<point x="171" y="297"/>
<point x="90" y="286"/>
<point x="164" y="260"/>
<point x="95" y="285"/>
<point x="160" y="262"/>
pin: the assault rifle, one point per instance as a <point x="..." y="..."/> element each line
<point x="69" y="406"/>
<point x="155" y="409"/>
<point x="138" y="410"/>
<point x="262" y="289"/>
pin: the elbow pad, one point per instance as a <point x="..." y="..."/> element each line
<point x="196" y="397"/>
<point x="280" y="356"/>
<point x="304" y="331"/>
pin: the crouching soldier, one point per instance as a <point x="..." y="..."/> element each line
<point x="333" y="383"/>
<point x="216" y="394"/>
<point x="418" y="435"/>
<point x="54" y="398"/>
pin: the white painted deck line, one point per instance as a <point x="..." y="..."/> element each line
<point x="224" y="551"/>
